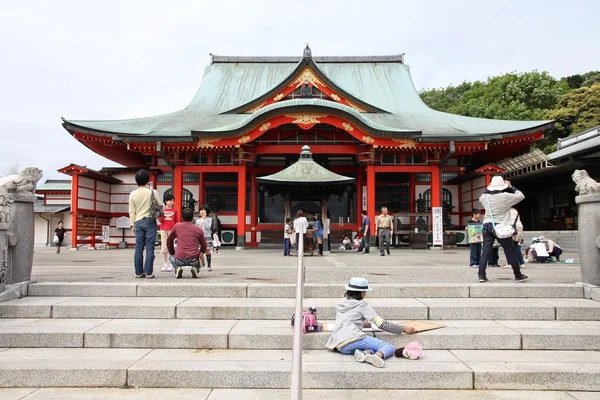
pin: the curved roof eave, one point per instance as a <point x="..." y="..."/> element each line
<point x="312" y="104"/>
<point x="301" y="65"/>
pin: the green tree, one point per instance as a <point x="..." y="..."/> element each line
<point x="525" y="96"/>
<point x="576" y="111"/>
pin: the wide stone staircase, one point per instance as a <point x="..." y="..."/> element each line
<point x="233" y="341"/>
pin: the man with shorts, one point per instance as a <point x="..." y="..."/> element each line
<point x="188" y="237"/>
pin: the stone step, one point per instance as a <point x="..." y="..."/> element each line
<point x="270" y="369"/>
<point x="282" y="394"/>
<point x="185" y="288"/>
<point x="278" y="335"/>
<point x="283" y="308"/>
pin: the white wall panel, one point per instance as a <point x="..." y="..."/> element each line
<point x="87" y="204"/>
<point x="86" y="193"/>
<point x="86" y="182"/>
<point x="103" y="196"/>
<point x="105" y="207"/>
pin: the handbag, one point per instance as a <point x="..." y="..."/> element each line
<point x="502" y="230"/>
<point x="55" y="239"/>
<point x="156" y="210"/>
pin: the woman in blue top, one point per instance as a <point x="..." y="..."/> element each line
<point x="319" y="233"/>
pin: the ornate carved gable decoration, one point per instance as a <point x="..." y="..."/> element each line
<point x="306" y="120"/>
<point x="405" y="143"/>
<point x="307" y="75"/>
<point x="207" y="142"/>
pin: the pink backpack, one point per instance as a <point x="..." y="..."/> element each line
<point x="309" y="321"/>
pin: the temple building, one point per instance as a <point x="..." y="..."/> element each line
<point x="361" y="117"/>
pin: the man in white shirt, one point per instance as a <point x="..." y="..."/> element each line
<point x="554" y="250"/>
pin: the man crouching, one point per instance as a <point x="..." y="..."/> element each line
<point x="188" y="237"/>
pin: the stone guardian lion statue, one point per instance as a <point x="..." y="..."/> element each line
<point x="584" y="184"/>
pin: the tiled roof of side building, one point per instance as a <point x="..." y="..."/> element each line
<point x="59" y="185"/>
<point x="587" y="141"/>
<point x="385" y="85"/>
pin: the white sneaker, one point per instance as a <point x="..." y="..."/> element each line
<point x="164" y="268"/>
<point x="507" y="266"/>
<point x="359" y="355"/>
<point x="374" y="360"/>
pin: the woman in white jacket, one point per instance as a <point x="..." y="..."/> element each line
<point x="498" y="200"/>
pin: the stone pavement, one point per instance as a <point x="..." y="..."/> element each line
<point x="270" y="266"/>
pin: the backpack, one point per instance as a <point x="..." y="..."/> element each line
<point x="215" y="226"/>
<point x="309" y="321"/>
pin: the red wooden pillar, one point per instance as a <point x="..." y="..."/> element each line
<point x="371" y="196"/>
<point x="488" y="179"/>
<point x="241" y="228"/>
<point x="178" y="188"/>
<point x="253" y="207"/>
<point x="436" y="187"/>
<point x="74" y="204"/>
<point x="201" y="196"/>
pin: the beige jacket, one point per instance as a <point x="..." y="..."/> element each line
<point x="501" y="204"/>
<point x="139" y="204"/>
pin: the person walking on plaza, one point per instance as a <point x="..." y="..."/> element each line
<point x="59" y="232"/>
<point x="474" y="247"/>
<point x="144" y="226"/>
<point x="166" y="223"/>
<point x="384" y="225"/>
<point x="191" y="244"/>
<point x="352" y="315"/>
<point x="205" y="223"/>
<point x="498" y="199"/>
<point x="319" y="229"/>
<point x="300" y="226"/>
<point x="287" y="236"/>
<point x="366" y="234"/>
<point x="327" y="230"/>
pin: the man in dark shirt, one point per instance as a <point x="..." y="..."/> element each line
<point x="188" y="237"/>
<point x="366" y="229"/>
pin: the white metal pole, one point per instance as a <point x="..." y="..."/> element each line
<point x="296" y="388"/>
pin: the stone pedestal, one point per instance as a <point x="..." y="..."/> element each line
<point x="589" y="237"/>
<point x="3" y="256"/>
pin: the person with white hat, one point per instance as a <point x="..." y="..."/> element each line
<point x="354" y="314"/>
<point x="498" y="199"/>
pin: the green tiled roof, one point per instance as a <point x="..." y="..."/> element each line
<point x="55" y="185"/>
<point x="385" y="85"/>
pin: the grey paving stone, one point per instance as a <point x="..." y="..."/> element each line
<point x="393" y="394"/>
<point x="15" y="394"/>
<point x="557" y="335"/>
<point x="536" y="376"/>
<point x="183" y="288"/>
<point x="84" y="289"/>
<point x="165" y="334"/>
<point x="279" y="290"/>
<point x="485" y="308"/>
<point x="30" y="307"/>
<point x="118" y="394"/>
<point x="261" y="308"/>
<point x="525" y="356"/>
<point x="270" y="369"/>
<point x="575" y="309"/>
<point x="585" y="395"/>
<point x="47" y="332"/>
<point x="392" y="290"/>
<point x="66" y="367"/>
<point x="117" y="307"/>
<point x="595" y="294"/>
<point x="516" y="290"/>
<point x="456" y="335"/>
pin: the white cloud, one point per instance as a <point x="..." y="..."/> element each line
<point x="120" y="59"/>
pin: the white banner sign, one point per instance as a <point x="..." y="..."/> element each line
<point x="105" y="234"/>
<point x="364" y="199"/>
<point x="123" y="223"/>
<point x="438" y="226"/>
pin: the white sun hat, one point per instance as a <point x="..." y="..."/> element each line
<point x="497" y="184"/>
<point x="357" y="284"/>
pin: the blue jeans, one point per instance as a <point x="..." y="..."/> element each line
<point x="145" y="236"/>
<point x="475" y="253"/>
<point x="364" y="244"/>
<point x="370" y="343"/>
<point x="519" y="254"/>
<point x="287" y="245"/>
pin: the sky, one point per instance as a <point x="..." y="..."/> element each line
<point x="127" y="58"/>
